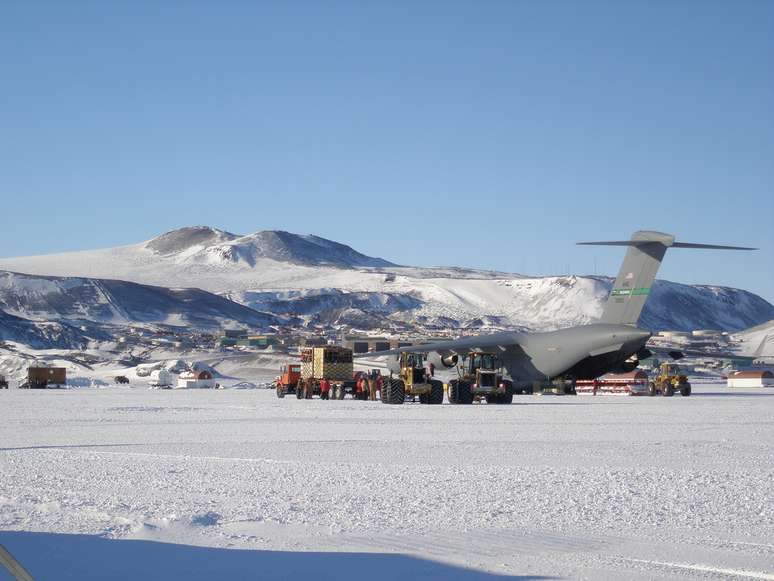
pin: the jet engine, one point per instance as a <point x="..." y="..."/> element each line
<point x="443" y="359"/>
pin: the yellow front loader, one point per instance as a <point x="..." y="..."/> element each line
<point x="668" y="381"/>
<point x="413" y="380"/>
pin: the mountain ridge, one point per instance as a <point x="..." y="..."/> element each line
<point x="71" y="300"/>
<point x="206" y="243"/>
<point x="326" y="283"/>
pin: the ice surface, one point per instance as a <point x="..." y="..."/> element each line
<point x="184" y="484"/>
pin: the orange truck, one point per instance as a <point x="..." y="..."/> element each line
<point x="287" y="382"/>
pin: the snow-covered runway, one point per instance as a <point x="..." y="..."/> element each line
<point x="239" y="484"/>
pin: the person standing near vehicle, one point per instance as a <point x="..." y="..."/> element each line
<point x="379" y="384"/>
<point x="325" y="389"/>
<point x="372" y="385"/>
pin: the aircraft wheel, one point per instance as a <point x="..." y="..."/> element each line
<point x="507" y="397"/>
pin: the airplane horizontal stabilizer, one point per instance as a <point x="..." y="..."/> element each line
<point x="638" y="271"/>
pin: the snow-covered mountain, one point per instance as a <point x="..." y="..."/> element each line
<point x="47" y="334"/>
<point x="210" y="259"/>
<point x="526" y="303"/>
<point x="324" y="282"/>
<point x="76" y="300"/>
<point x="286" y="247"/>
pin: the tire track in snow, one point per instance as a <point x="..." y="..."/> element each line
<point x="698" y="568"/>
<point x="481" y="543"/>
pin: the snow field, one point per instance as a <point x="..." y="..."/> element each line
<point x="577" y="487"/>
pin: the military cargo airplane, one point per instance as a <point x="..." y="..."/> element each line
<point x="614" y="344"/>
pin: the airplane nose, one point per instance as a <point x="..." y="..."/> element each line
<point x="631" y="335"/>
<point x="637" y="335"/>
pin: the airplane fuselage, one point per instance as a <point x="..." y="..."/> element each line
<point x="583" y="352"/>
<point x="586" y="351"/>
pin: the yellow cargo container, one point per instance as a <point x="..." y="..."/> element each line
<point x="329" y="362"/>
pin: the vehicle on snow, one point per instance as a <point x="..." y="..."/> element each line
<point x="480" y="377"/>
<point x="413" y="381"/>
<point x="668" y="381"/>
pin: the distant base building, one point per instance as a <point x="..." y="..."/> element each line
<point x="241" y="338"/>
<point x="314" y="341"/>
<point x="195" y="380"/>
<point x="43" y="377"/>
<point x="364" y="344"/>
<point x="678" y="336"/>
<point x="762" y="378"/>
<point x="160" y="378"/>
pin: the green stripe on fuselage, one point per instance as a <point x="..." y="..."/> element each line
<point x="620" y="292"/>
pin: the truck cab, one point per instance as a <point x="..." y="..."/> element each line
<point x="413" y="370"/>
<point x="485" y="371"/>
<point x="287" y="382"/>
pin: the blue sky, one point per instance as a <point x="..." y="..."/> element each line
<point x="487" y="134"/>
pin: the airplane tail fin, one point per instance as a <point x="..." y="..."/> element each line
<point x="645" y="252"/>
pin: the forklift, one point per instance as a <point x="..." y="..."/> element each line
<point x="412" y="381"/>
<point x="480" y="376"/>
<point x="668" y="381"/>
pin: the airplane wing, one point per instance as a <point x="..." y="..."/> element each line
<point x="463" y="345"/>
<point x="671" y="351"/>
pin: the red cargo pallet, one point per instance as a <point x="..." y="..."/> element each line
<point x="633" y="383"/>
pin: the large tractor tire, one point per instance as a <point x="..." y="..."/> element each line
<point x="685" y="389"/>
<point x="280" y="391"/>
<point x="459" y="392"/>
<point x="454" y="392"/>
<point x="668" y="390"/>
<point x="394" y="392"/>
<point x="507" y="397"/>
<point x="436" y="392"/>
<point x="652" y="388"/>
